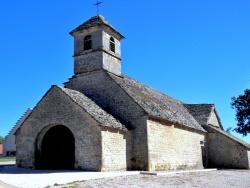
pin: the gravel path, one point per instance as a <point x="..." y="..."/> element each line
<point x="5" y="185"/>
<point x="12" y="177"/>
<point x="213" y="179"/>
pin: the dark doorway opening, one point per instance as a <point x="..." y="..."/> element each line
<point x="57" y="149"/>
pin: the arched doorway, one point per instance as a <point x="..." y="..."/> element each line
<point x="57" y="149"/>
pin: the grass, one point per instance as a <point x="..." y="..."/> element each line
<point x="73" y="186"/>
<point x="7" y="159"/>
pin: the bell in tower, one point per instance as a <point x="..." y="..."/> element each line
<point x="96" y="47"/>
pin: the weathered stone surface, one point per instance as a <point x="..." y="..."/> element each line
<point x="119" y="123"/>
<point x="201" y="112"/>
<point x="57" y="108"/>
<point x="100" y="56"/>
<point x="173" y="147"/>
<point x="88" y="62"/>
<point x="109" y="96"/>
<point x="213" y="120"/>
<point x="98" y="20"/>
<point x="155" y="103"/>
<point x="221" y="149"/>
<point x="205" y="114"/>
<point x="226" y="151"/>
<point x="117" y="149"/>
<point x="101" y="116"/>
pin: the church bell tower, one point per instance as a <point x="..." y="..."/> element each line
<point x="96" y="47"/>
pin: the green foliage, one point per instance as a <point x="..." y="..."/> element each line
<point x="1" y="139"/>
<point x="228" y="130"/>
<point x="7" y="159"/>
<point x="241" y="104"/>
<point x="73" y="186"/>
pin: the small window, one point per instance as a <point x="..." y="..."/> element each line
<point x="87" y="43"/>
<point x="112" y="44"/>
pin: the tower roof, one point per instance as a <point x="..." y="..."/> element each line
<point x="98" y="20"/>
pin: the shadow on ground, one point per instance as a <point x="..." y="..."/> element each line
<point x="12" y="169"/>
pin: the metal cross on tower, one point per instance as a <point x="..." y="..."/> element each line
<point x="97" y="5"/>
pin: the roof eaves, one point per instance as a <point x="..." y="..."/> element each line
<point x="96" y="21"/>
<point x="176" y="123"/>
<point x="230" y="136"/>
<point x="221" y="126"/>
<point x="148" y="112"/>
<point x="210" y="113"/>
<point x="18" y="130"/>
<point x="199" y="112"/>
<point x="20" y="122"/>
<point x="101" y="123"/>
<point x="126" y="91"/>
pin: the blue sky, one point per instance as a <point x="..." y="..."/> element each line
<point x="195" y="51"/>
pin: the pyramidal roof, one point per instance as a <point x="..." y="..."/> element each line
<point x="98" y="20"/>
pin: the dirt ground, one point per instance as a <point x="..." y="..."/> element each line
<point x="213" y="179"/>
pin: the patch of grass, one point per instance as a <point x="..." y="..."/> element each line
<point x="72" y="186"/>
<point x="146" y="178"/>
<point x="7" y="159"/>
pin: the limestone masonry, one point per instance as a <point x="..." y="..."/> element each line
<point x="102" y="120"/>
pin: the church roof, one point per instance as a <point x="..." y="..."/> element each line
<point x="19" y="122"/>
<point x="214" y="129"/>
<point x="95" y="21"/>
<point x="92" y="109"/>
<point x="201" y="112"/>
<point x="155" y="103"/>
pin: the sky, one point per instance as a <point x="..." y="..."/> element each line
<point x="195" y="51"/>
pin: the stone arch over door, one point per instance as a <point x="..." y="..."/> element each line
<point x="55" y="148"/>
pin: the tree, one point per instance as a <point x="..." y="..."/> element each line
<point x="1" y="139"/>
<point x="229" y="129"/>
<point x="241" y="104"/>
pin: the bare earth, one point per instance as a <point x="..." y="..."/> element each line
<point x="213" y="179"/>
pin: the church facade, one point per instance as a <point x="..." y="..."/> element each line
<point x="102" y="120"/>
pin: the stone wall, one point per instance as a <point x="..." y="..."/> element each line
<point x="97" y="60"/>
<point x="213" y="120"/>
<point x="96" y="37"/>
<point x="139" y="160"/>
<point x="100" y="40"/>
<point x="172" y="147"/>
<point x="116" y="149"/>
<point x="99" y="56"/>
<point x="111" y="63"/>
<point x="88" y="62"/>
<point x="106" y="43"/>
<point x="226" y="152"/>
<point x="56" y="108"/>
<point x="99" y="87"/>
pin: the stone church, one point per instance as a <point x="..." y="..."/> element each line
<point x="102" y="120"/>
